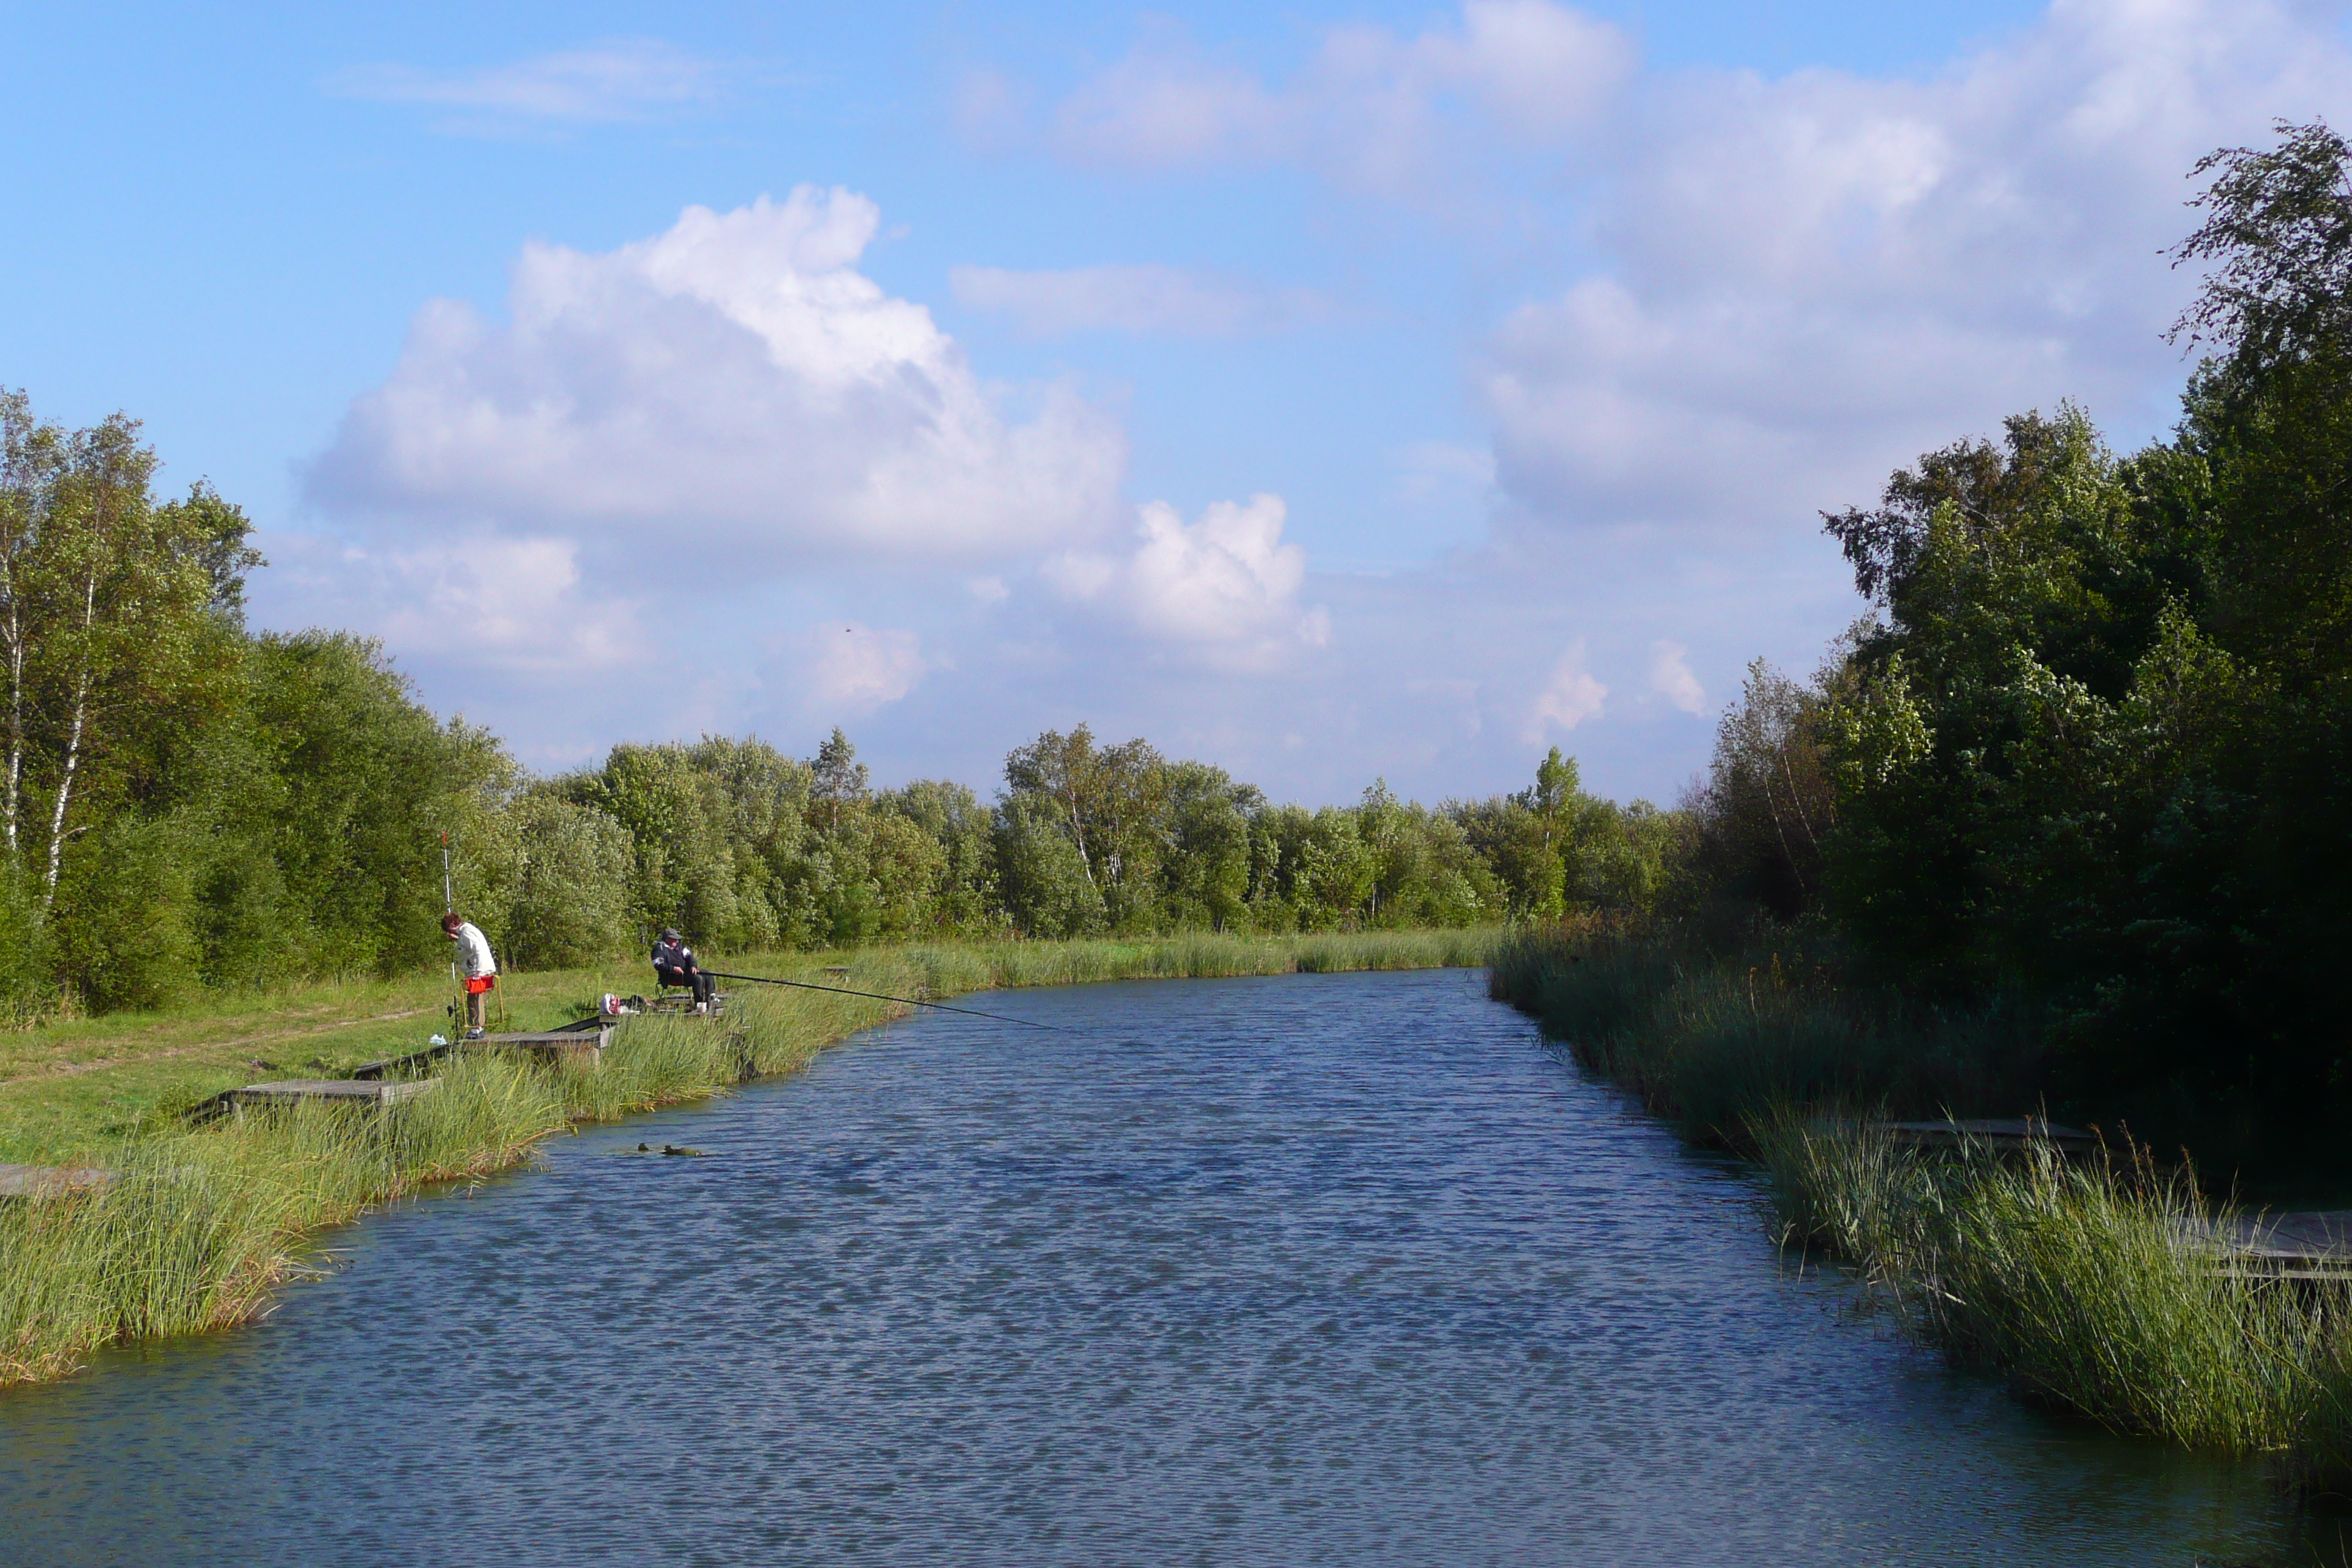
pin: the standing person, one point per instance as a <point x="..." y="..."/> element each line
<point x="481" y="968"/>
<point x="674" y="965"/>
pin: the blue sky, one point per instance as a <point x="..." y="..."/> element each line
<point x="1327" y="393"/>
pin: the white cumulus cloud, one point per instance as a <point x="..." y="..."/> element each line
<point x="862" y="668"/>
<point x="1376" y="109"/>
<point x="1224" y="589"/>
<point x="1144" y="299"/>
<point x="1569" y="698"/>
<point x="1813" y="279"/>
<point x="734" y="384"/>
<point x="1670" y="676"/>
<point x="520" y="607"/>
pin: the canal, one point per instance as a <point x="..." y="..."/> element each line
<point x="1321" y="1269"/>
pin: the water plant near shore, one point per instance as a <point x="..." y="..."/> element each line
<point x="2091" y="1285"/>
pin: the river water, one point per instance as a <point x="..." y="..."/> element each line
<point x="1342" y="1269"/>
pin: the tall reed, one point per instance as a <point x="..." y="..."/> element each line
<point x="2096" y="1286"/>
<point x="1710" y="1041"/>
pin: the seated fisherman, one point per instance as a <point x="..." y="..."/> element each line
<point x="674" y="965"/>
<point x="481" y="970"/>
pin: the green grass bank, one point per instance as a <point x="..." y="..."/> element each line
<point x="2087" y="1283"/>
<point x="203" y="1225"/>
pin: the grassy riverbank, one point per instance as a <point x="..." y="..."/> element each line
<point x="202" y="1224"/>
<point x="2083" y="1282"/>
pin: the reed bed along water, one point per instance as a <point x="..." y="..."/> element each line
<point x="202" y="1224"/>
<point x="2093" y="1286"/>
<point x="1710" y="1042"/>
<point x="1202" y="956"/>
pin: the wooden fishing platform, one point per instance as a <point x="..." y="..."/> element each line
<point x="31" y="1183"/>
<point x="583" y="1043"/>
<point x="327" y="1092"/>
<point x="672" y="1004"/>
<point x="2314" y="1247"/>
<point x="1997" y="1132"/>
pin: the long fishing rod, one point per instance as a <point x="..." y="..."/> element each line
<point x="878" y="996"/>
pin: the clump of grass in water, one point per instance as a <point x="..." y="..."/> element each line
<point x="2090" y="1284"/>
<point x="198" y="1226"/>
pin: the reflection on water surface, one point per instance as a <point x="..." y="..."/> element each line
<point x="1316" y="1270"/>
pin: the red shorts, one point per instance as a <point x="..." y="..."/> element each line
<point x="479" y="984"/>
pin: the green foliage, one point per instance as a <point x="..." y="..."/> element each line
<point x="565" y="901"/>
<point x="2097" y="1288"/>
<point x="26" y="961"/>
<point x="127" y="934"/>
<point x="1043" y="872"/>
<point x="1712" y="1039"/>
<point x="2094" y="747"/>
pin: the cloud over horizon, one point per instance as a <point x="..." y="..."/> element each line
<point x="1224" y="591"/>
<point x="1373" y="110"/>
<point x="1817" y="276"/>
<point x="735" y="380"/>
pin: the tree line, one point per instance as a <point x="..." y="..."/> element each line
<point x="190" y="804"/>
<point x="2089" y="759"/>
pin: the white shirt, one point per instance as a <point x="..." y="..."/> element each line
<point x="474" y="951"/>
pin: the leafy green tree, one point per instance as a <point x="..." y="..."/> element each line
<point x="1108" y="801"/>
<point x="117" y="590"/>
<point x="962" y="899"/>
<point x="1204" y="868"/>
<point x="1767" y="805"/>
<point x="1523" y="848"/>
<point x="566" y="886"/>
<point x="1046" y="884"/>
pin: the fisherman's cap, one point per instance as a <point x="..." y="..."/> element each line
<point x="668" y="934"/>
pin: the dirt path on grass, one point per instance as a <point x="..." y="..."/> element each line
<point x="72" y="1069"/>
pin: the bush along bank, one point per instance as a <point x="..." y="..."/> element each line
<point x="200" y="1225"/>
<point x="2091" y="1284"/>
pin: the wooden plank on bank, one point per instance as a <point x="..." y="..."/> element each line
<point x="367" y="1071"/>
<point x="582" y="1042"/>
<point x="2313" y="1245"/>
<point x="36" y="1182"/>
<point x="329" y="1092"/>
<point x="1999" y="1131"/>
<point x="550" y="1046"/>
<point x="674" y="1006"/>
